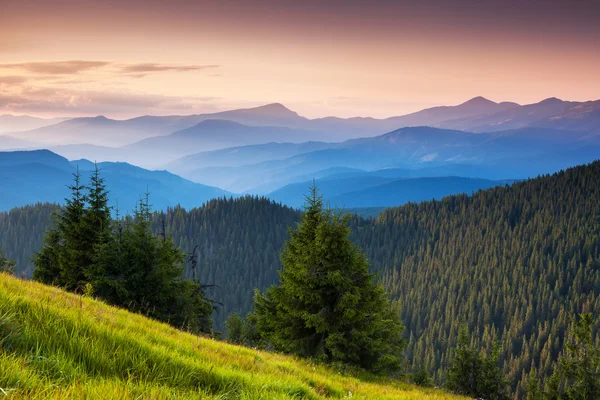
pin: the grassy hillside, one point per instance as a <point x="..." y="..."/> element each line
<point x="58" y="345"/>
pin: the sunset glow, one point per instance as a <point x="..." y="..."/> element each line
<point x="379" y="58"/>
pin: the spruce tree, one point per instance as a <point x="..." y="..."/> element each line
<point x="327" y="304"/>
<point x="6" y="265"/>
<point x="96" y="230"/>
<point x="152" y="277"/>
<point x="64" y="255"/>
<point x="48" y="261"/>
<point x="577" y="376"/>
<point x="473" y="374"/>
<point x="77" y="254"/>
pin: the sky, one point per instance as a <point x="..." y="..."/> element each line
<point x="375" y="58"/>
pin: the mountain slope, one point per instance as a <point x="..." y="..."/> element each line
<point x="518" y="154"/>
<point x="213" y="135"/>
<point x="432" y="116"/>
<point x="56" y="345"/>
<point x="550" y="113"/>
<point x="373" y="190"/>
<point x="102" y="131"/>
<point x="18" y="123"/>
<point x="367" y="127"/>
<point x="243" y="155"/>
<point x="42" y="176"/>
<point x="9" y="142"/>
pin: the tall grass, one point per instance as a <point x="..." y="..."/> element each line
<point x="61" y="346"/>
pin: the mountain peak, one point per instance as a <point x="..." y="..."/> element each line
<point x="478" y="101"/>
<point x="551" y="100"/>
<point x="274" y="109"/>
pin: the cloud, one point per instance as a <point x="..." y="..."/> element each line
<point x="57" y="67"/>
<point x="139" y="70"/>
<point x="72" y="67"/>
<point x="36" y="100"/>
<point x="62" y="88"/>
<point x="12" y="80"/>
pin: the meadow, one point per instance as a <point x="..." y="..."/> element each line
<point x="57" y="345"/>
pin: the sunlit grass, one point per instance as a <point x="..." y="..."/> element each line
<point x="58" y="345"/>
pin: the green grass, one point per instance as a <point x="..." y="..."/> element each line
<point x="58" y="345"/>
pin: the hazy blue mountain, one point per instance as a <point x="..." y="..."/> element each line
<point x="213" y="135"/>
<point x="97" y="153"/>
<point x="243" y="155"/>
<point x="34" y="176"/>
<point x="275" y="114"/>
<point x="421" y="151"/>
<point x="104" y="131"/>
<point x="477" y="115"/>
<point x="435" y="115"/>
<point x="411" y="146"/>
<point x="10" y="142"/>
<point x="382" y="188"/>
<point x="366" y="127"/>
<point x="293" y="194"/>
<point x="550" y="113"/>
<point x="18" y="123"/>
<point x="402" y="191"/>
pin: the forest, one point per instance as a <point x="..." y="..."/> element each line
<point x="513" y="264"/>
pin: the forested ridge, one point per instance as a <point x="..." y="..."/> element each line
<point x="512" y="263"/>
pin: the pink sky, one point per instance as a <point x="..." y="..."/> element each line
<point x="375" y="58"/>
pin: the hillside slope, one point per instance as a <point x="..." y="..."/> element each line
<point x="511" y="262"/>
<point x="59" y="345"/>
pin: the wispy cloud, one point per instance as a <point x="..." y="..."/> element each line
<point x="57" y="67"/>
<point x="73" y="67"/>
<point x="76" y="87"/>
<point x="12" y="80"/>
<point x="38" y="100"/>
<point x="142" y="68"/>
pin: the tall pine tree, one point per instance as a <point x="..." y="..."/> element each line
<point x="64" y="255"/>
<point x="327" y="304"/>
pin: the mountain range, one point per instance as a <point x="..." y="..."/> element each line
<point x="29" y="177"/>
<point x="477" y="115"/>
<point x="426" y="151"/>
<point x="18" y="123"/>
<point x="262" y="150"/>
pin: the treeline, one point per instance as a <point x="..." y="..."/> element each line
<point x="512" y="264"/>
<point x="120" y="260"/>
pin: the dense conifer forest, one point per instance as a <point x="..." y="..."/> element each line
<point x="512" y="264"/>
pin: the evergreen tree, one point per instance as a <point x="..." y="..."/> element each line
<point x="48" y="261"/>
<point x="533" y="389"/>
<point x="473" y="374"/>
<point x="96" y="231"/>
<point x="327" y="304"/>
<point x="76" y="254"/>
<point x="6" y="265"/>
<point x="234" y="326"/>
<point x="153" y="281"/>
<point x="64" y="256"/>
<point x="577" y="376"/>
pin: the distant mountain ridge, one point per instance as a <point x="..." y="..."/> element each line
<point x="478" y="115"/>
<point x="19" y="123"/>
<point x="514" y="154"/>
<point x="382" y="188"/>
<point x="215" y="134"/>
<point x="29" y="177"/>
